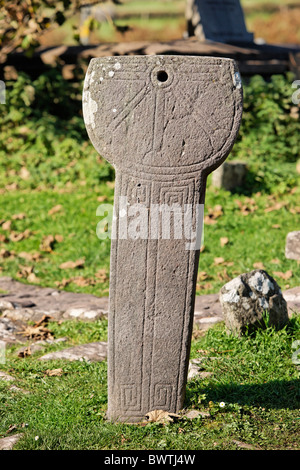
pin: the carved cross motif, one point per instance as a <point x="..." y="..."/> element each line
<point x="165" y="123"/>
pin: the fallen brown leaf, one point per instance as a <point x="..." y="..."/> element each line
<point x="54" y="372"/>
<point x="6" y="225"/>
<point x="102" y="198"/>
<point x="17" y="237"/>
<point x="24" y="173"/>
<point x="160" y="416"/>
<point x="59" y="238"/>
<point x="47" y="243"/>
<point x="259" y="265"/>
<point x="19" y="216"/>
<point x="224" y="241"/>
<point x="247" y="207"/>
<point x="63" y="283"/>
<point x="11" y="428"/>
<point x="295" y="210"/>
<point x="55" y="209"/>
<point x="25" y="352"/>
<point x="73" y="264"/>
<point x="213" y="214"/>
<point x="30" y="256"/>
<point x="287" y="275"/>
<point x="218" y="260"/>
<point x="276" y="207"/>
<point x="275" y="261"/>
<point x="276" y="226"/>
<point x="202" y="276"/>
<point x="102" y="275"/>
<point x="223" y="276"/>
<point x="6" y="254"/>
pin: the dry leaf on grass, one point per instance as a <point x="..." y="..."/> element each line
<point x="73" y="264"/>
<point x="39" y="331"/>
<point x="259" y="265"/>
<point x="224" y="241"/>
<point x="213" y="214"/>
<point x="102" y="198"/>
<point x="30" y="256"/>
<point x="59" y="238"/>
<point x="19" y="216"/>
<point x="223" y="276"/>
<point x="276" y="207"/>
<point x="247" y="207"/>
<point x="54" y="372"/>
<point x="6" y="253"/>
<point x="275" y="261"/>
<point x="55" y="209"/>
<point x="295" y="210"/>
<point x="17" y="237"/>
<point x="218" y="260"/>
<point x="276" y="226"/>
<point x="287" y="275"/>
<point x="25" y="352"/>
<point x="6" y="225"/>
<point x="160" y="416"/>
<point x="202" y="276"/>
<point x="47" y="244"/>
<point x="26" y="272"/>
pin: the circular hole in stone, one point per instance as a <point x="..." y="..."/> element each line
<point x="162" y="76"/>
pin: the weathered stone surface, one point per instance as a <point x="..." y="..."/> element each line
<point x="26" y="302"/>
<point x="292" y="247"/>
<point x="5" y="376"/>
<point x="7" y="443"/>
<point x="196" y="369"/>
<point x="9" y="331"/>
<point x="38" y="346"/>
<point x="164" y="123"/>
<point x="217" y="20"/>
<point x="94" y="352"/>
<point x="230" y="175"/>
<point x="245" y="299"/>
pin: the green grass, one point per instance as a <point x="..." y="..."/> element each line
<point x="254" y="376"/>
<point x="46" y="160"/>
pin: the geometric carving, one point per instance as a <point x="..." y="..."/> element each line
<point x="164" y="123"/>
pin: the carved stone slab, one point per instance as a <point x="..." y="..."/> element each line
<point x="217" y="20"/>
<point x="164" y="122"/>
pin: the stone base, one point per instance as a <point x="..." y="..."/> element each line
<point x="230" y="175"/>
<point x="292" y="247"/>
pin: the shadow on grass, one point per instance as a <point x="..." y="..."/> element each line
<point x="276" y="394"/>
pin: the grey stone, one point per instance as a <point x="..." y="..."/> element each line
<point x="292" y="247"/>
<point x="164" y="123"/>
<point x="245" y="299"/>
<point x="217" y="20"/>
<point x="196" y="369"/>
<point x="9" y="331"/>
<point x="230" y="175"/>
<point x="24" y="302"/>
<point x="39" y="346"/>
<point x="94" y="352"/>
<point x="5" y="376"/>
<point x="7" y="443"/>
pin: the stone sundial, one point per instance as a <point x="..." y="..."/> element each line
<point x="164" y="123"/>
